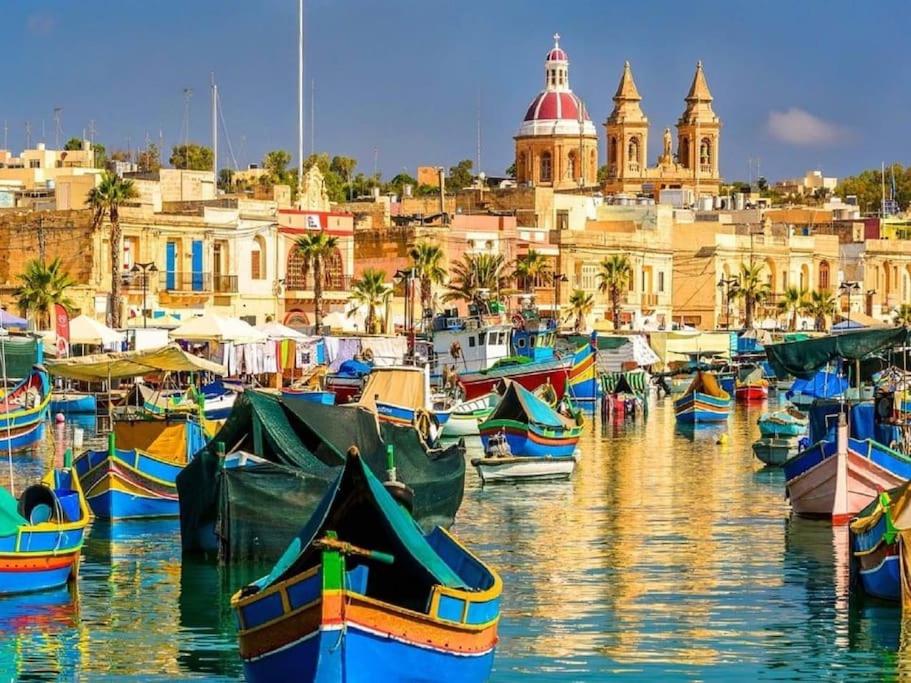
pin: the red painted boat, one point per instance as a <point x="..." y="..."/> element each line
<point x="346" y="389"/>
<point x="529" y="375"/>
<point x="751" y="392"/>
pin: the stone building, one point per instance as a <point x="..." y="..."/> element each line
<point x="693" y="166"/>
<point x="557" y="143"/>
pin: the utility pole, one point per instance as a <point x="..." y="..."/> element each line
<point x="479" y="136"/>
<point x="57" y="128"/>
<point x="28" y="134"/>
<point x="92" y="132"/>
<point x="215" y="131"/>
<point x="300" y="101"/>
<point x="187" y="94"/>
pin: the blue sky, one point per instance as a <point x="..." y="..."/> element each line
<point x="798" y="85"/>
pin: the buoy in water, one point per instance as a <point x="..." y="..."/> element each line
<point x="722" y="440"/>
<point x="58" y="418"/>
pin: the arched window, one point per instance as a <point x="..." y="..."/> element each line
<point x="593" y="166"/>
<point x="705" y="152"/>
<point x="612" y="153"/>
<point x="334" y="271"/>
<point x="296" y="271"/>
<point x="633" y="150"/>
<point x="258" y="258"/>
<point x="546" y="173"/>
<point x="571" y="165"/>
<point x="824" y="275"/>
<point x="520" y="167"/>
<point x="683" y="152"/>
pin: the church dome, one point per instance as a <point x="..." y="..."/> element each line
<point x="556" y="110"/>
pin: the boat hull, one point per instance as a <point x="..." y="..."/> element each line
<point x="531" y="376"/>
<point x="527" y="440"/>
<point x="76" y="404"/>
<point x="20" y="438"/>
<point x="541" y="468"/>
<point x="326" y="398"/>
<point x="128" y="484"/>
<point x="751" y="393"/>
<point x="346" y="389"/>
<point x="698" y="407"/>
<point x="774" y="429"/>
<point x="37" y="573"/>
<point x="775" y="452"/>
<point x="813" y="476"/>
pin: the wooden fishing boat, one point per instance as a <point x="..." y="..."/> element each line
<point x="215" y="401"/>
<point x="783" y="423"/>
<point x="751" y="385"/>
<point x="839" y="478"/>
<point x="23" y="410"/>
<point x="530" y="374"/>
<point x="539" y="468"/>
<point x="41" y="535"/>
<point x="878" y="534"/>
<point x="465" y="417"/>
<point x="401" y="396"/>
<point x="363" y="594"/>
<point x="73" y="403"/>
<point x="703" y="401"/>
<point x="775" y="451"/>
<point x="136" y="476"/>
<point x="530" y="426"/>
<point x="582" y="385"/>
<point x="327" y="398"/>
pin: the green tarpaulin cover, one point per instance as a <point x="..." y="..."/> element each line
<point x="803" y="358"/>
<point x="21" y="355"/>
<point x="10" y="519"/>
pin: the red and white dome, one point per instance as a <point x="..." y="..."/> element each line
<point x="556" y="110"/>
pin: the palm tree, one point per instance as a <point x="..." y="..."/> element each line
<point x="613" y="278"/>
<point x="371" y="291"/>
<point x="42" y="287"/>
<point x="105" y="200"/>
<point x="581" y="304"/>
<point x="532" y="269"/>
<point x="427" y="261"/>
<point x="315" y="247"/>
<point x="754" y="289"/>
<point x="821" y="305"/>
<point x="475" y="273"/>
<point x="902" y="315"/>
<point x="793" y="301"/>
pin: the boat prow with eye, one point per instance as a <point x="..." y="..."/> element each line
<point x="363" y="594"/>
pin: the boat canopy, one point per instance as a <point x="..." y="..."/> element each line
<point x="823" y="384"/>
<point x="357" y="486"/>
<point x="521" y="405"/>
<point x="707" y="383"/>
<point x="632" y="382"/>
<point x="10" y="519"/>
<point x="406" y="387"/>
<point x="121" y="364"/>
<point x="803" y="358"/>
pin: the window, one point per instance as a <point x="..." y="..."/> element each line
<point x="563" y="219"/>
<point x="546" y="167"/>
<point x="824" y="275"/>
<point x="571" y="165"/>
<point x="683" y="152"/>
<point x="34" y="163"/>
<point x="661" y="281"/>
<point x="471" y="341"/>
<point x="258" y="258"/>
<point x="520" y="343"/>
<point x="589" y="277"/>
<point x="481" y="339"/>
<point x="633" y="150"/>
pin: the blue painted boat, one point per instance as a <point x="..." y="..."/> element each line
<point x="136" y="476"/>
<point x="215" y="400"/>
<point x="582" y="385"/>
<point x="877" y="535"/>
<point x="362" y="594"/>
<point x="23" y="410"/>
<point x="73" y="403"/>
<point x="41" y="534"/>
<point x="326" y="398"/>
<point x="703" y="401"/>
<point x="530" y="426"/>
<point x="783" y="424"/>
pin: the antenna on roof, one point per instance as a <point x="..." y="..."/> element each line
<point x="479" y="135"/>
<point x="28" y="134"/>
<point x="187" y="94"/>
<point x="57" y="129"/>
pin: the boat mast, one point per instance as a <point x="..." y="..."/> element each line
<point x="300" y="100"/>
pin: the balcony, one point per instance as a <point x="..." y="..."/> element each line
<point x="650" y="300"/>
<point x="331" y="282"/>
<point x="174" y="281"/>
<point x="133" y="281"/>
<point x="224" y="284"/>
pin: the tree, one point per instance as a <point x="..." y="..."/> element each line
<point x="276" y="163"/>
<point x="73" y="144"/>
<point x="821" y="305"/>
<point x="192" y="156"/>
<point x="105" y="200"/>
<point x="902" y="315"/>
<point x="868" y="186"/>
<point x="343" y="166"/>
<point x="753" y="288"/>
<point x="511" y="171"/>
<point x="315" y="247"/>
<point x="42" y="287"/>
<point x="226" y="179"/>
<point x="613" y="278"/>
<point x="602" y="174"/>
<point x="793" y="301"/>
<point x="581" y="304"/>
<point x="475" y="276"/>
<point x="533" y="269"/>
<point x="460" y="175"/>
<point x="120" y="155"/>
<point x="100" y="159"/>
<point x="427" y="260"/>
<point x="762" y="184"/>
<point x="398" y="183"/>
<point x="371" y="291"/>
<point x="148" y="160"/>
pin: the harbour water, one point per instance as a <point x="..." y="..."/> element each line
<point x="668" y="556"/>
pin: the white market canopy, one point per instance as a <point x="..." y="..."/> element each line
<point x="214" y="328"/>
<point x="162" y="322"/>
<point x="275" y="330"/>
<point x="86" y="330"/>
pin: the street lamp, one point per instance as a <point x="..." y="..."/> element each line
<point x="727" y="285"/>
<point x="558" y="278"/>
<point x="145" y="269"/>
<point x="847" y="287"/>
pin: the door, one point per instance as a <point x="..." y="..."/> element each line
<point x="170" y="265"/>
<point x="197" y="265"/>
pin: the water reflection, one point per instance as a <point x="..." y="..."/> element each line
<point x="671" y="554"/>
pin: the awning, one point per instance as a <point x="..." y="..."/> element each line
<point x="211" y="327"/>
<point x="86" y="330"/>
<point x="856" y="321"/>
<point x="118" y="365"/>
<point x="803" y="358"/>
